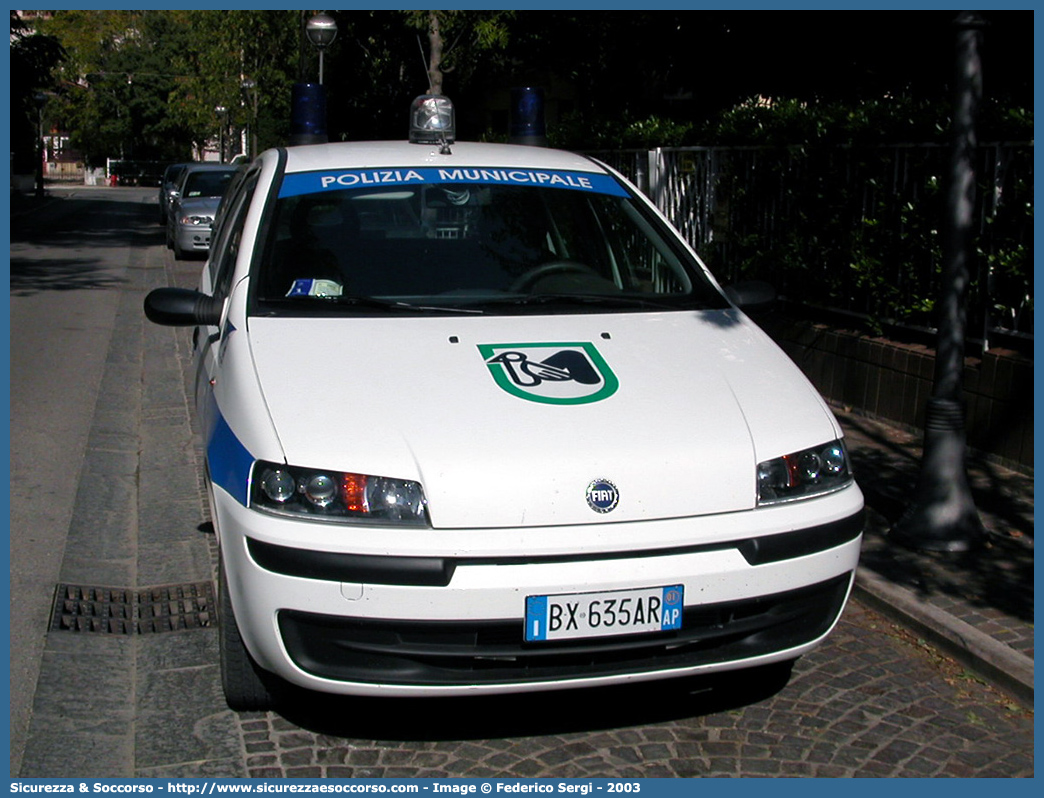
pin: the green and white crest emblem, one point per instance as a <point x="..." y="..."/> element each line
<point x="551" y="373"/>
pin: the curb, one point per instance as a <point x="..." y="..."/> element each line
<point x="1009" y="670"/>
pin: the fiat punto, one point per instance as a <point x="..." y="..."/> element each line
<point x="478" y="420"/>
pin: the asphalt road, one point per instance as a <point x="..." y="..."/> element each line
<point x="105" y="493"/>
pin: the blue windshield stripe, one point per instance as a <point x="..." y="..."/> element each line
<point x="336" y="180"/>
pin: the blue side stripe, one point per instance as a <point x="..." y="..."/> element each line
<point x="228" y="459"/>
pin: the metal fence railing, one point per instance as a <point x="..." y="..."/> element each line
<point x="854" y="229"/>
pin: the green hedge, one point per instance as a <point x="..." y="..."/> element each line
<point x="858" y="229"/>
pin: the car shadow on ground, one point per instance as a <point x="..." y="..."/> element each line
<point x="531" y="714"/>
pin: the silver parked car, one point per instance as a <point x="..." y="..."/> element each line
<point x="167" y="187"/>
<point x="194" y="204"/>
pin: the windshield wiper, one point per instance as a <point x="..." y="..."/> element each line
<point x="352" y="300"/>
<point x="603" y="300"/>
<point x="394" y="304"/>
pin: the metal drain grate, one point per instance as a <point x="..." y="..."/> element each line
<point x="119" y="611"/>
<point x="176" y="607"/>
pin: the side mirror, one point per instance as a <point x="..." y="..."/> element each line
<point x="182" y="307"/>
<point x="751" y="295"/>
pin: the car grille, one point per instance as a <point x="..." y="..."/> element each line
<point x="467" y="652"/>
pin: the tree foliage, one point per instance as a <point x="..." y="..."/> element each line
<point x="457" y="40"/>
<point x="113" y="86"/>
<point x="147" y="82"/>
<point x="234" y="60"/>
<point x="34" y="56"/>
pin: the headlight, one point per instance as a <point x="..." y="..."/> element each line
<point x="336" y="496"/>
<point x="197" y="220"/>
<point x="811" y="472"/>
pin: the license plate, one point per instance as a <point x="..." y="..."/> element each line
<point x="618" y="612"/>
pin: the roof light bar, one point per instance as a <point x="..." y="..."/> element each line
<point x="432" y="120"/>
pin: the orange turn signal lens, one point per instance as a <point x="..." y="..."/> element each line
<point x="354" y="490"/>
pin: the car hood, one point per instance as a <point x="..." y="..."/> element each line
<point x="200" y="205"/>
<point x="506" y="421"/>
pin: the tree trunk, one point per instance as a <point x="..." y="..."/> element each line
<point x="943" y="515"/>
<point x="435" y="45"/>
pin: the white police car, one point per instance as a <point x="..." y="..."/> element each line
<point x="477" y="420"/>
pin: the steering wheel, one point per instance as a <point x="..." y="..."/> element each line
<point x="530" y="276"/>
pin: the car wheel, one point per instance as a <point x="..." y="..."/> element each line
<point x="179" y="253"/>
<point x="247" y="688"/>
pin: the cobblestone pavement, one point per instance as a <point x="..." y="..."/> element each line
<point x="871" y="702"/>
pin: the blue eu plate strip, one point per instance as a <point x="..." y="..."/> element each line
<point x="536" y="617"/>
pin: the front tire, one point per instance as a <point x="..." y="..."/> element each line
<point x="247" y="687"/>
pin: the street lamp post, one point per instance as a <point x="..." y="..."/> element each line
<point x="321" y="31"/>
<point x="249" y="88"/>
<point x="220" y="110"/>
<point x="308" y="100"/>
<point x="40" y="99"/>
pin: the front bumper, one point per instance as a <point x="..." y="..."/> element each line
<point x="193" y="238"/>
<point x="413" y="623"/>
<point x="451" y="654"/>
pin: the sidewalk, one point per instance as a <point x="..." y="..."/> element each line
<point x="978" y="607"/>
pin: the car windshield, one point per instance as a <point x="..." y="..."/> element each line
<point x="462" y="240"/>
<point x="209" y="183"/>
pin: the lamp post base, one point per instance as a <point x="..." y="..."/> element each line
<point x="942" y="516"/>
